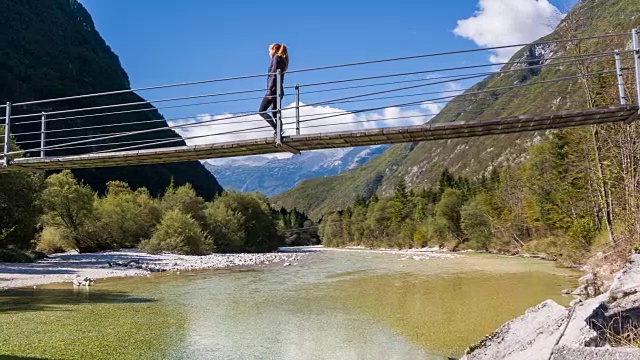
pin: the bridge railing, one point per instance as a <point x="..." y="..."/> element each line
<point x="202" y="112"/>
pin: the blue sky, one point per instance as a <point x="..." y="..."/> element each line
<point x="175" y="41"/>
<point x="161" y="42"/>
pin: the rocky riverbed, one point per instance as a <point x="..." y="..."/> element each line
<point x="71" y="266"/>
<point x="81" y="269"/>
<point x="591" y="328"/>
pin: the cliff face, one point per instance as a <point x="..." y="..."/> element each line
<point x="51" y="49"/>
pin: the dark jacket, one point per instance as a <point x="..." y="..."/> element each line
<point x="277" y="62"/>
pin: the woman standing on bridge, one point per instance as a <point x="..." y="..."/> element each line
<point x="279" y="61"/>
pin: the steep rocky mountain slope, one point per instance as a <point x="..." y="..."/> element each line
<point x="51" y="49"/>
<point x="420" y="164"/>
<point x="272" y="176"/>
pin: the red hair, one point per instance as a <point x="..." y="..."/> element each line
<point x="281" y="50"/>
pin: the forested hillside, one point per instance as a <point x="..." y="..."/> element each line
<point x="420" y="165"/>
<point x="51" y="49"/>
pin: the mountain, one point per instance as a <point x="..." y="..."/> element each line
<point x="420" y="164"/>
<point x="272" y="176"/>
<point x="51" y="49"/>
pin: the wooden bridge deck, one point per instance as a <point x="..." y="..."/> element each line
<point x="427" y="132"/>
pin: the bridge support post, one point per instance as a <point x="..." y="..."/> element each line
<point x="43" y="131"/>
<point x="279" y="109"/>
<point x="297" y="109"/>
<point x="623" y="98"/>
<point x="636" y="56"/>
<point x="7" y="134"/>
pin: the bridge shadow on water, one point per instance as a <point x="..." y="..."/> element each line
<point x="12" y="357"/>
<point x="17" y="300"/>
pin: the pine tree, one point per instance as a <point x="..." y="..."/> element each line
<point x="447" y="181"/>
<point x="400" y="204"/>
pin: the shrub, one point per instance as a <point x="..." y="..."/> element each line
<point x="36" y="255"/>
<point x="550" y="246"/>
<point x="19" y="212"/>
<point x="14" y="255"/>
<point x="475" y="223"/>
<point x="242" y="223"/>
<point x="582" y="232"/>
<point x="69" y="207"/>
<point x="226" y="227"/>
<point x="446" y="224"/>
<point x="125" y="217"/>
<point x="53" y="240"/>
<point x="178" y="233"/>
<point x="185" y="199"/>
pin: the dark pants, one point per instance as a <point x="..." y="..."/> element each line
<point x="269" y="101"/>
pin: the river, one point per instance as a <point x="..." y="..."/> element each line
<point x="331" y="305"/>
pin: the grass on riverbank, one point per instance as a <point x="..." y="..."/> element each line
<point x="628" y="337"/>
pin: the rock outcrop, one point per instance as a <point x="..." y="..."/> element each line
<point x="86" y="281"/>
<point x="595" y="328"/>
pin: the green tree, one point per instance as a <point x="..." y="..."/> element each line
<point x="358" y="226"/>
<point x="446" y="181"/>
<point x="581" y="235"/>
<point x="331" y="230"/>
<point x="185" y="199"/>
<point x="421" y="234"/>
<point x="447" y="216"/>
<point x="475" y="221"/>
<point x="178" y="233"/>
<point x="513" y="223"/>
<point x="400" y="205"/>
<point x="360" y="201"/>
<point x="240" y="222"/>
<point x="226" y="228"/>
<point x="125" y="217"/>
<point x="378" y="221"/>
<point x="347" y="226"/>
<point x="550" y="183"/>
<point x="69" y="206"/>
<point x="19" y="212"/>
<point x="405" y="236"/>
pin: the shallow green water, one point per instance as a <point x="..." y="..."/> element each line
<point x="332" y="305"/>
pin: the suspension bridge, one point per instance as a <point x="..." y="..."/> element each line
<point x="43" y="130"/>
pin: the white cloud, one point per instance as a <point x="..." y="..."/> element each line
<point x="507" y="22"/>
<point x="211" y="129"/>
<point x="453" y="88"/>
<point x="313" y="119"/>
<point x="432" y="107"/>
<point x="225" y="127"/>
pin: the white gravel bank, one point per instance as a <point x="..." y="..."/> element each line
<point x="405" y="254"/>
<point x="68" y="266"/>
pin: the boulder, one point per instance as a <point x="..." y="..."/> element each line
<point x="564" y="352"/>
<point x="530" y="336"/>
<point x="584" y="331"/>
<point x="86" y="281"/>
